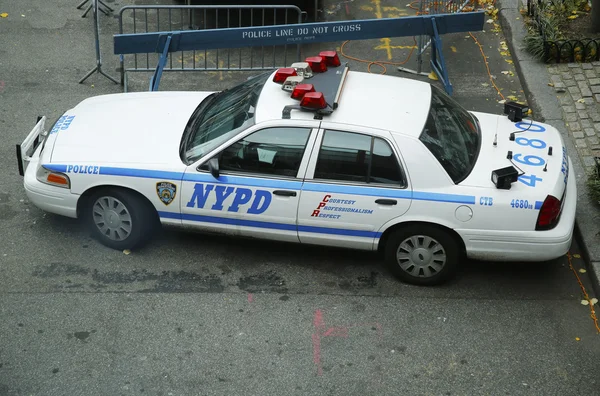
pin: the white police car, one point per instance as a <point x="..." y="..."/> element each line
<point x="313" y="154"/>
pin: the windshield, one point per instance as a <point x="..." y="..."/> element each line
<point x="452" y="135"/>
<point x="221" y="116"/>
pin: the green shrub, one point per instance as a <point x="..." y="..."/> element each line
<point x="593" y="183"/>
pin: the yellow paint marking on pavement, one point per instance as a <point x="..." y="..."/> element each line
<point x="378" y="13"/>
<point x="393" y="9"/>
<point x="396" y="15"/>
<point x="396" y="47"/>
<point x="385" y="42"/>
<point x="366" y="8"/>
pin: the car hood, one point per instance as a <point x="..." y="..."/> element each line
<point x="141" y="128"/>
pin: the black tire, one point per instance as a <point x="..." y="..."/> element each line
<point x="422" y="266"/>
<point x="131" y="234"/>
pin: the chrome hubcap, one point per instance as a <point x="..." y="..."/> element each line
<point x="112" y="218"/>
<point x="421" y="256"/>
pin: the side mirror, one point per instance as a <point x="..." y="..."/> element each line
<point x="213" y="167"/>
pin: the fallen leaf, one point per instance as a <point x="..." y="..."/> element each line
<point x="594" y="301"/>
<point x="432" y="76"/>
<point x="550" y="84"/>
<point x="512" y="97"/>
<point x="502" y="101"/>
<point x="505" y="72"/>
<point x="578" y="255"/>
<point x="127" y="251"/>
<point x="485" y="84"/>
<point x="453" y="48"/>
<point x="573" y="17"/>
<point x="23" y="15"/>
<point x="583" y="271"/>
<point x="492" y="21"/>
<point x="577" y="339"/>
<point x="508" y="61"/>
<point x="585" y="302"/>
<point x="579" y="101"/>
<point x="4" y="15"/>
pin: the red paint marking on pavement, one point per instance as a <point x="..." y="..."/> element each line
<point x="336" y="332"/>
<point x="316" y="340"/>
<point x="250" y="297"/>
<point x="1" y="86"/>
<point x="323" y="331"/>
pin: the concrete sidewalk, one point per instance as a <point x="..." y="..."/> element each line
<point x="571" y="105"/>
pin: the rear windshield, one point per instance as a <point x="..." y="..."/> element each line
<point x="452" y="135"/>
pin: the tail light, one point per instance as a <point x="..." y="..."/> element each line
<point x="317" y="64"/>
<point x="52" y="178"/>
<point x="549" y="214"/>
<point x="313" y="100"/>
<point x="302" y="89"/>
<point x="283" y="73"/>
<point x="331" y="58"/>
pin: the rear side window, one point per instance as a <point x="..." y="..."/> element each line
<point x="354" y="157"/>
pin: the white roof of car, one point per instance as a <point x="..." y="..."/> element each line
<point x="377" y="101"/>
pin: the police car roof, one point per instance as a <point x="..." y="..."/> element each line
<point x="390" y="103"/>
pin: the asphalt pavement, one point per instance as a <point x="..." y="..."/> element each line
<point x="204" y="315"/>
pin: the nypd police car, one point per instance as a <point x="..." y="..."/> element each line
<point x="313" y="154"/>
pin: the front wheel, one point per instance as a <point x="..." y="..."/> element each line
<point x="422" y="255"/>
<point x="119" y="219"/>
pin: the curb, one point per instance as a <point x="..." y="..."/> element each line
<point x="546" y="108"/>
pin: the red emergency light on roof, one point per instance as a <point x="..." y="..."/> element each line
<point x="313" y="100"/>
<point x="302" y="89"/>
<point x="283" y="73"/>
<point x="331" y="58"/>
<point x="317" y="64"/>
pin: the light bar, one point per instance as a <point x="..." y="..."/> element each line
<point x="331" y="58"/>
<point x="282" y="74"/>
<point x="291" y="82"/>
<point x="303" y="69"/>
<point x="317" y="64"/>
<point x="302" y="89"/>
<point x="313" y="101"/>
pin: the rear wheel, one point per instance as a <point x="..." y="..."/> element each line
<point x="422" y="255"/>
<point x="119" y="219"/>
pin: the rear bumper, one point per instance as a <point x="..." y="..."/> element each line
<point x="49" y="198"/>
<point x="526" y="245"/>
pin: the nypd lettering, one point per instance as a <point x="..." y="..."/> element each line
<point x="87" y="169"/>
<point x="259" y="200"/>
<point x="62" y="124"/>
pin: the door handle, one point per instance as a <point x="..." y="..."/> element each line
<point x="386" y="201"/>
<point x="285" y="193"/>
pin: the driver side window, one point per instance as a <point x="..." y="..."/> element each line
<point x="272" y="151"/>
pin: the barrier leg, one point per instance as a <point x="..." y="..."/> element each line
<point x="155" y="80"/>
<point x="98" y="67"/>
<point x="437" y="59"/>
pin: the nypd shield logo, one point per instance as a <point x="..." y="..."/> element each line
<point x="166" y="192"/>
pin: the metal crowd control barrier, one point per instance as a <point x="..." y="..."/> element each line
<point x="430" y="25"/>
<point x="435" y="7"/>
<point x="135" y="20"/>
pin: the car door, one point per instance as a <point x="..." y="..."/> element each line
<point x="258" y="187"/>
<point x="354" y="184"/>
